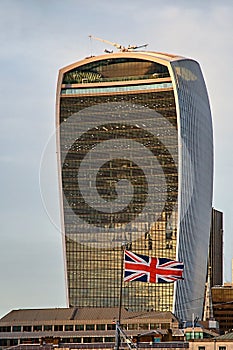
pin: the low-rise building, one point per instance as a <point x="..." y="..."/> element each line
<point x="223" y="342"/>
<point x="84" y="326"/>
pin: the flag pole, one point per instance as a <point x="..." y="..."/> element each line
<point x="121" y="282"/>
<point x="118" y="321"/>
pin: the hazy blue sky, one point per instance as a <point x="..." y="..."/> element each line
<point x="37" y="37"/>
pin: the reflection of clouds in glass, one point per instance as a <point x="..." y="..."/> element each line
<point x="100" y="205"/>
<point x="185" y="73"/>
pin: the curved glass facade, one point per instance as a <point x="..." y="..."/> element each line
<point x="135" y="160"/>
<point x="194" y="227"/>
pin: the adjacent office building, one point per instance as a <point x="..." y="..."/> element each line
<point x="215" y="263"/>
<point x="222" y="297"/>
<point x="135" y="153"/>
<point x="216" y="249"/>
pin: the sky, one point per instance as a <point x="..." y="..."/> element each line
<point x="37" y="38"/>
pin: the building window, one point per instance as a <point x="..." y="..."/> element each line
<point x="79" y="327"/>
<point x="58" y="328"/>
<point x="3" y="342"/>
<point x="27" y="328"/>
<point x="194" y="335"/>
<point x="154" y="325"/>
<point x="65" y="340"/>
<point x="165" y="325"/>
<point x="5" y="329"/>
<point x="69" y="327"/>
<point x="198" y="335"/>
<point x="222" y="348"/>
<point x="98" y="339"/>
<point x="100" y="327"/>
<point x="29" y="340"/>
<point x="201" y="347"/>
<point x="37" y="328"/>
<point x="77" y="340"/>
<point x="143" y="326"/>
<point x="16" y="329"/>
<point x="87" y="339"/>
<point x="111" y="326"/>
<point x="109" y="340"/>
<point x="13" y="342"/>
<point x="48" y="327"/>
<point x="132" y="326"/>
<point x="90" y="327"/>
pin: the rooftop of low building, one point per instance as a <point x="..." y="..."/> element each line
<point x="84" y="314"/>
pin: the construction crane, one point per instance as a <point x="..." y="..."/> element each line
<point x="118" y="46"/>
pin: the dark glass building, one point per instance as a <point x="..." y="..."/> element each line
<point x="135" y="152"/>
<point x="216" y="249"/>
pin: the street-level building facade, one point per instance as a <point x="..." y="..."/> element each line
<point x="135" y="155"/>
<point x="77" y="327"/>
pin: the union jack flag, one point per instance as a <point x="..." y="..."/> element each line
<point x="149" y="269"/>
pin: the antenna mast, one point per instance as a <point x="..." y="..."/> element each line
<point x="118" y="46"/>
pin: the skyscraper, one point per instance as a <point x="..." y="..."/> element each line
<point x="135" y="152"/>
<point x="215" y="263"/>
<point x="216" y="248"/>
